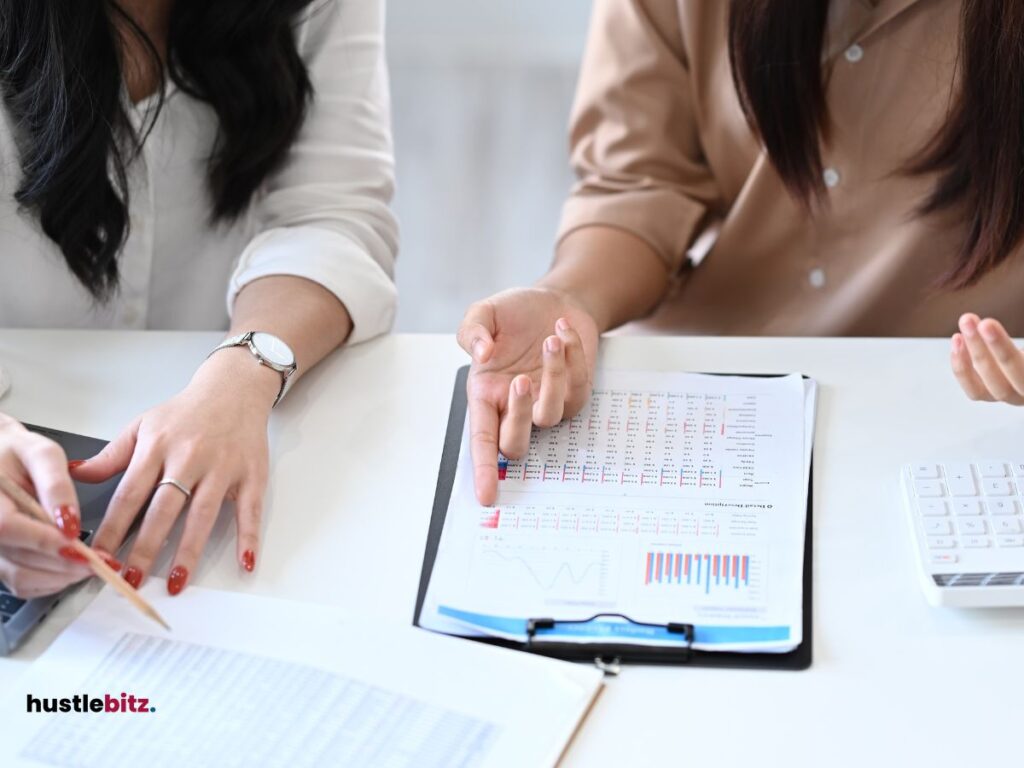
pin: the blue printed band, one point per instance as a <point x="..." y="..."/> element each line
<point x="703" y="635"/>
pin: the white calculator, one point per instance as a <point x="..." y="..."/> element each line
<point x="967" y="519"/>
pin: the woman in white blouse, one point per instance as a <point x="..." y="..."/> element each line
<point x="170" y="164"/>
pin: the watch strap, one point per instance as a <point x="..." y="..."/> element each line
<point x="245" y="340"/>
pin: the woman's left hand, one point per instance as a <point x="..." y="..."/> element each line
<point x="212" y="438"/>
<point x="987" y="363"/>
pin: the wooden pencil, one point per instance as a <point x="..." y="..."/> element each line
<point x="29" y="506"/>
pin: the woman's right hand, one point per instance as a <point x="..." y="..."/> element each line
<point x="533" y="351"/>
<point x="35" y="558"/>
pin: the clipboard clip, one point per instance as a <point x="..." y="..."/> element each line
<point x="610" y="661"/>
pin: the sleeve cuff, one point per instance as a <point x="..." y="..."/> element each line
<point x="329" y="259"/>
<point x="662" y="218"/>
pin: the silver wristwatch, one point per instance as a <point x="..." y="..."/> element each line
<point x="269" y="351"/>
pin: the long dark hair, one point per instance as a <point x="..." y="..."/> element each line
<point x="61" y="76"/>
<point x="775" y="47"/>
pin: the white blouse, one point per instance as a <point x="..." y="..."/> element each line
<point x="324" y="216"/>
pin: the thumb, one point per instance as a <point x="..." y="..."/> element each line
<point x="476" y="333"/>
<point x="114" y="458"/>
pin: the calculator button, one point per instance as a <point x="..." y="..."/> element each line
<point x="967" y="508"/>
<point x="932" y="507"/>
<point x="942" y="558"/>
<point x="976" y="542"/>
<point x="941" y="542"/>
<point x="929" y="488"/>
<point x="1010" y="541"/>
<point x="960" y="480"/>
<point x="1018" y="469"/>
<point x="997" y="487"/>
<point x="1000" y="507"/>
<point x="1006" y="525"/>
<point x="992" y="469"/>
<point x="970" y="526"/>
<point x="935" y="527"/>
<point x="927" y="471"/>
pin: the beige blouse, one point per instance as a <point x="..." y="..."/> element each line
<point x="662" y="150"/>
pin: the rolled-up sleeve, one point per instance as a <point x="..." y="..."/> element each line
<point x="635" y="143"/>
<point x="325" y="216"/>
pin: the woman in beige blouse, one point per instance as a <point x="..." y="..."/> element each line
<point x="846" y="168"/>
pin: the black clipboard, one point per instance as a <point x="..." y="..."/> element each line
<point x="608" y="656"/>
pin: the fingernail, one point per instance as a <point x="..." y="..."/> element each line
<point x="958" y="342"/>
<point x="562" y="324"/>
<point x="76" y="463"/>
<point x="114" y="564"/>
<point x="522" y="385"/>
<point x="969" y="328"/>
<point x="249" y="560"/>
<point x="133" y="576"/>
<point x="988" y="331"/>
<point x="477" y="346"/>
<point x="551" y="345"/>
<point x="69" y="553"/>
<point x="176" y="580"/>
<point x="67" y="521"/>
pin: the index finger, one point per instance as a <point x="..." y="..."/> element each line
<point x="483" y="444"/>
<point x="47" y="467"/>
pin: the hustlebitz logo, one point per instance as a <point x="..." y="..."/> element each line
<point x="126" y="703"/>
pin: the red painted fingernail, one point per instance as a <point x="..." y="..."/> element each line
<point x="76" y="463"/>
<point x="249" y="560"/>
<point x="177" y="578"/>
<point x="67" y="521"/>
<point x="69" y="553"/>
<point x="110" y="561"/>
<point x="133" y="576"/>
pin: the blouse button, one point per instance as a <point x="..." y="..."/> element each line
<point x="854" y="53"/>
<point x="831" y="177"/>
<point x="816" y="277"/>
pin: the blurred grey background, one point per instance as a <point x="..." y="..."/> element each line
<point x="481" y="91"/>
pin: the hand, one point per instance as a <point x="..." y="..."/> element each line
<point x="212" y="438"/>
<point x="986" y="362"/>
<point x="534" y="351"/>
<point x="35" y="558"/>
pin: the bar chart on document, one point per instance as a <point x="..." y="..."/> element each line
<point x="659" y="500"/>
<point x="567" y="560"/>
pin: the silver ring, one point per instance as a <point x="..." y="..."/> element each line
<point x="176" y="484"/>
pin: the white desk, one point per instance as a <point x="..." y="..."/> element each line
<point x="355" y="454"/>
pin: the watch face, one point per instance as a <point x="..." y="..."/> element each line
<point x="273" y="350"/>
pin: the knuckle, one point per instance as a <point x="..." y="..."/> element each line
<point x="46" y="450"/>
<point x="143" y="554"/>
<point x="252" y="512"/>
<point x="1004" y="354"/>
<point x="1002" y="391"/>
<point x="190" y="452"/>
<point x="204" y="511"/>
<point x="128" y="500"/>
<point x="189" y="553"/>
<point x="51" y="489"/>
<point x="483" y="434"/>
